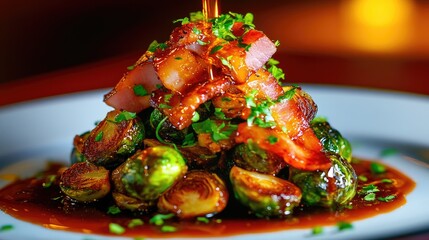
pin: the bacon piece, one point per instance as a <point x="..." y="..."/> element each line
<point x="122" y="97"/>
<point x="264" y="83"/>
<point x="182" y="109"/>
<point x="241" y="63"/>
<point x="303" y="153"/>
<point x="179" y="69"/>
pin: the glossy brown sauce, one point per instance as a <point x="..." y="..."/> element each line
<point x="29" y="201"/>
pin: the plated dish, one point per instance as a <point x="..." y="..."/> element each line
<point x="23" y="157"/>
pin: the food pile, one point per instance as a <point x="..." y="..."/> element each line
<point x="202" y="121"/>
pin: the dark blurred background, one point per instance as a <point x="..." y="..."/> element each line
<point x="355" y="42"/>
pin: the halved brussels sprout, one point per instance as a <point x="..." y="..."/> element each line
<point x="149" y="173"/>
<point x="251" y="157"/>
<point x="265" y="195"/>
<point x="76" y="153"/>
<point x="133" y="204"/>
<point x="114" y="139"/>
<point x="164" y="129"/>
<point x="85" y="182"/>
<point x="331" y="139"/>
<point x="330" y="188"/>
<point x="198" y="193"/>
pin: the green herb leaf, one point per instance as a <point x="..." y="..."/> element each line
<point x="129" y="68"/>
<point x="215" y="49"/>
<point x="183" y="21"/>
<point x="371" y="188"/>
<point x="387" y="198"/>
<point x="195" y="117"/>
<point x="158" y="219"/>
<point x="369" y="197"/>
<point x="386" y="180"/>
<point x="99" y="136"/>
<point x="113" y="210"/>
<point x="362" y="178"/>
<point x="317" y="230"/>
<point x="168" y="228"/>
<point x="203" y="219"/>
<point x="125" y="116"/>
<point x="135" y="222"/>
<point x="196" y="16"/>
<point x="49" y="180"/>
<point x="6" y="227"/>
<point x="189" y="140"/>
<point x="140" y="91"/>
<point x="218" y="132"/>
<point x="377" y="168"/>
<point x="344" y="225"/>
<point x="116" y="228"/>
<point x="272" y="139"/>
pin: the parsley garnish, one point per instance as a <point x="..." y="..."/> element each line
<point x="387" y="198"/>
<point x="371" y="188"/>
<point x="369" y="197"/>
<point x="377" y="168"/>
<point x="99" y="136"/>
<point x="113" y="210"/>
<point x="158" y="219"/>
<point x="272" y="139"/>
<point x="6" y="227"/>
<point x="168" y="228"/>
<point x="50" y="179"/>
<point x="274" y="70"/>
<point x="215" y="49"/>
<point x="189" y="140"/>
<point x="140" y="91"/>
<point x="344" y="225"/>
<point x="135" y="222"/>
<point x="125" y="116"/>
<point x="116" y="228"/>
<point x="155" y="45"/>
<point x="317" y="230"/>
<point x="218" y="131"/>
<point x="362" y="178"/>
<point x="131" y="67"/>
<point x="203" y="219"/>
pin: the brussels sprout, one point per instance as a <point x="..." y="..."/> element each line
<point x="199" y="193"/>
<point x="251" y="157"/>
<point x="163" y="128"/>
<point x="265" y="195"/>
<point x="330" y="188"/>
<point x="114" y="139"/>
<point x="331" y="139"/>
<point x="149" y="173"/>
<point x="133" y="204"/>
<point x="85" y="182"/>
<point x="76" y="153"/>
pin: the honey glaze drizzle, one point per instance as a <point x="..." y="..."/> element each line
<point x="211" y="9"/>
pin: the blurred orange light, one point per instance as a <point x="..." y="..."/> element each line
<point x="378" y="25"/>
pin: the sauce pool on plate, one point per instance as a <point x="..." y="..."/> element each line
<point x="40" y="201"/>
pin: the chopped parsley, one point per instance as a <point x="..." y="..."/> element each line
<point x="203" y="219"/>
<point x="125" y="116"/>
<point x="274" y="70"/>
<point x="196" y="16"/>
<point x="386" y="180"/>
<point x="260" y="114"/>
<point x="225" y="61"/>
<point x="371" y="188"/>
<point x="195" y="117"/>
<point x="189" y="140"/>
<point x="362" y="178"/>
<point x="113" y="210"/>
<point x="219" y="114"/>
<point x="116" y="228"/>
<point x="50" y="179"/>
<point x="317" y="230"/>
<point x="215" y="49"/>
<point x="217" y="131"/>
<point x="377" y="168"/>
<point x="158" y="219"/>
<point x="387" y="198"/>
<point x="140" y="91"/>
<point x="153" y="46"/>
<point x="99" y="136"/>
<point x="6" y="227"/>
<point x="168" y="228"/>
<point x="135" y="222"/>
<point x="369" y="197"/>
<point x="272" y="139"/>
<point x="344" y="225"/>
<point x="129" y="68"/>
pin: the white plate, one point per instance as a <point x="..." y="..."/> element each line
<point x="34" y="132"/>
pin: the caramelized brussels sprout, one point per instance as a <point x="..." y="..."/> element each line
<point x="133" y="204"/>
<point x="331" y="139"/>
<point x="163" y="128"/>
<point x="330" y="188"/>
<point x="199" y="193"/>
<point x="252" y="158"/>
<point x="149" y="173"/>
<point x="265" y="195"/>
<point x="114" y="139"/>
<point x="76" y="153"/>
<point x="85" y="182"/>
